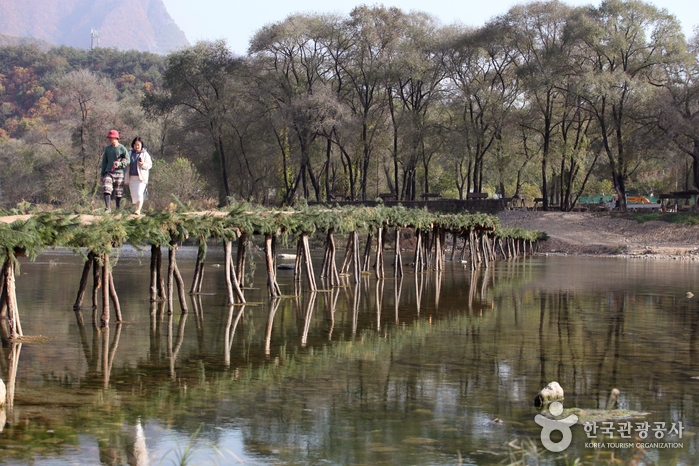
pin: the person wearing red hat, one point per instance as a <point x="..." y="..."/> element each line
<point x="115" y="159"/>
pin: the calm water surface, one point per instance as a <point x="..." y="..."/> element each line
<point x="431" y="369"/>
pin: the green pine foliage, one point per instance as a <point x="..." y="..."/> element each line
<point x="103" y="233"/>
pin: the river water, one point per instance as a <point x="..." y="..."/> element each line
<point x="430" y="369"/>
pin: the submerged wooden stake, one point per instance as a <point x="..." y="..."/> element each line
<point x="232" y="283"/>
<point x="348" y="254"/>
<point x="355" y="256"/>
<point x="115" y="298"/>
<point x="240" y="260"/>
<point x="10" y="295"/>
<point x="379" y="253"/>
<point x="83" y="280"/>
<point x="397" y="259"/>
<point x="272" y="284"/>
<point x="96" y="280"/>
<point x="367" y="253"/>
<point x="105" y="290"/>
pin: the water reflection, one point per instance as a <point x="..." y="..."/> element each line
<point x="332" y="375"/>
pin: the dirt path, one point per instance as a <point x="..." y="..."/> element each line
<point x="587" y="233"/>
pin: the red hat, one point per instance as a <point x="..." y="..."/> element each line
<point x="113" y="134"/>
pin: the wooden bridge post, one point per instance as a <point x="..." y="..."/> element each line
<point x="199" y="268"/>
<point x="9" y="295"/>
<point x="380" y="239"/>
<point x="397" y="259"/>
<point x="240" y="259"/>
<point x="105" y="290"/>
<point x="272" y="284"/>
<point x="355" y="257"/>
<point x="83" y="280"/>
<point x="232" y="283"/>
<point x="309" y="264"/>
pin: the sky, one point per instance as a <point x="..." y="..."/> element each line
<point x="238" y="21"/>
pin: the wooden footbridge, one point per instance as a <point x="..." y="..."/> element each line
<point x="98" y="237"/>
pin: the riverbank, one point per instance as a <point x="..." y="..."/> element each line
<point x="583" y="233"/>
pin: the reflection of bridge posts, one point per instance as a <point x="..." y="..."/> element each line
<point x="355" y="307"/>
<point x="174" y="351"/>
<point x="231" y="326"/>
<point x="90" y="349"/>
<point x="108" y="353"/>
<point x="379" y="303"/>
<point x="199" y="321"/>
<point x="334" y="294"/>
<point x="274" y="305"/>
<point x="472" y="289"/>
<point x="140" y="451"/>
<point x="13" y="360"/>
<point x="157" y="313"/>
<point x="307" y="318"/>
<point x="398" y="288"/>
<point x="418" y="291"/>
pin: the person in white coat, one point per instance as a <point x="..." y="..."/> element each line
<point x="137" y="173"/>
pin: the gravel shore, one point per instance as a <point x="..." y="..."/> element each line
<point x="583" y="233"/>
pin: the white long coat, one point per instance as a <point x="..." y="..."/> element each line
<point x="142" y="170"/>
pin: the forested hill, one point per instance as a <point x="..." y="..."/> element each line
<point x="143" y="25"/>
<point x="6" y="39"/>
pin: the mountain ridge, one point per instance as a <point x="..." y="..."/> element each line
<point x="143" y="25"/>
